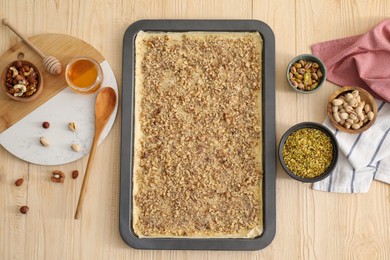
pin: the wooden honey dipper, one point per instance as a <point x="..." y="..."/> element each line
<point x="51" y="64"/>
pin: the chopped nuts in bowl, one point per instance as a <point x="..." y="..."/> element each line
<point x="352" y="109"/>
<point x="308" y="152"/>
<point x="306" y="73"/>
<point x="22" y="81"/>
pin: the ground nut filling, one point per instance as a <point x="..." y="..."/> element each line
<point x="308" y="152"/>
<point x="197" y="163"/>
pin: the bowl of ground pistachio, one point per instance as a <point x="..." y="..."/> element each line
<point x="308" y="152"/>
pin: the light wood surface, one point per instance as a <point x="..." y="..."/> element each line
<point x="310" y="224"/>
<point x="64" y="47"/>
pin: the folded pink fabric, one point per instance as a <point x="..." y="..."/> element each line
<point x="362" y="60"/>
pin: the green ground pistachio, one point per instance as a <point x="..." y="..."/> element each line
<point x="308" y="152"/>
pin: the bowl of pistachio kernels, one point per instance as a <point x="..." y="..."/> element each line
<point x="308" y="152"/>
<point x="306" y="73"/>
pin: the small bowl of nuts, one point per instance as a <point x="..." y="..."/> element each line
<point x="22" y="81"/>
<point x="352" y="109"/>
<point x="306" y="73"/>
<point x="308" y="152"/>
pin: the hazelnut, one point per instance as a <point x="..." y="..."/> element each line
<point x="18" y="64"/>
<point x="75" y="174"/>
<point x="19" y="77"/>
<point x="19" y="181"/>
<point x="31" y="79"/>
<point x="24" y="209"/>
<point x="46" y="125"/>
<point x="26" y="68"/>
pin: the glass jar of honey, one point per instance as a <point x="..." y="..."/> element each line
<point x="84" y="75"/>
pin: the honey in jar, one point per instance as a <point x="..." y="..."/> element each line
<point x="84" y="75"/>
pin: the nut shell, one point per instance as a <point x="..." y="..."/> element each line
<point x="75" y="174"/>
<point x="24" y="209"/>
<point x="303" y="67"/>
<point x="353" y="119"/>
<point x="19" y="181"/>
<point x="46" y="125"/>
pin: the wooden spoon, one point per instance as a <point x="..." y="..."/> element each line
<point x="105" y="105"/>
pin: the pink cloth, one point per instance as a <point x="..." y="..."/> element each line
<point x="362" y="60"/>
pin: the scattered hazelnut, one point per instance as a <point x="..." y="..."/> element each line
<point x="19" y="181"/>
<point x="72" y="126"/>
<point x="76" y="147"/>
<point x="58" y="176"/>
<point x="44" y="141"/>
<point x="26" y="67"/>
<point x="46" y="125"/>
<point x="18" y="64"/>
<point x="24" y="209"/>
<point x="75" y="174"/>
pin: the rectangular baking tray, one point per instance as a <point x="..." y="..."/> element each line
<point x="269" y="143"/>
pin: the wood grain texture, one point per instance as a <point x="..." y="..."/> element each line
<point x="64" y="48"/>
<point x="310" y="224"/>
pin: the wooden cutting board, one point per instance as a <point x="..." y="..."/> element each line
<point x="61" y="46"/>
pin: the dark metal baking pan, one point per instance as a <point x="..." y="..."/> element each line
<point x="269" y="143"/>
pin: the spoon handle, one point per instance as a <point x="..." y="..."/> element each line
<point x="30" y="44"/>
<point x="86" y="176"/>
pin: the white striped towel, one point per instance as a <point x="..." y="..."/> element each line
<point x="362" y="157"/>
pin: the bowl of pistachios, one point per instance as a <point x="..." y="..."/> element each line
<point x="306" y="73"/>
<point x="308" y="152"/>
<point x="352" y="109"/>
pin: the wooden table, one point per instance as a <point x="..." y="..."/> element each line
<point x="310" y="224"/>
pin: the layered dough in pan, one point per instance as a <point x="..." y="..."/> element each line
<point x="198" y="136"/>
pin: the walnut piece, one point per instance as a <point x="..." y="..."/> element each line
<point x="199" y="169"/>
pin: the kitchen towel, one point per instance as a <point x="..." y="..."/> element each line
<point x="362" y="157"/>
<point x="362" y="60"/>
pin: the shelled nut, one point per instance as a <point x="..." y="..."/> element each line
<point x="75" y="174"/>
<point x="24" y="209"/>
<point x="58" y="176"/>
<point x="76" y="147"/>
<point x="43" y="140"/>
<point x="19" y="181"/>
<point x="21" y="79"/>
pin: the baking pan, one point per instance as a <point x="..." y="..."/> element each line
<point x="269" y="143"/>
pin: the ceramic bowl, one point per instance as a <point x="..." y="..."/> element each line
<point x="307" y="58"/>
<point x="5" y="87"/>
<point x="364" y="96"/>
<point x="323" y="129"/>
